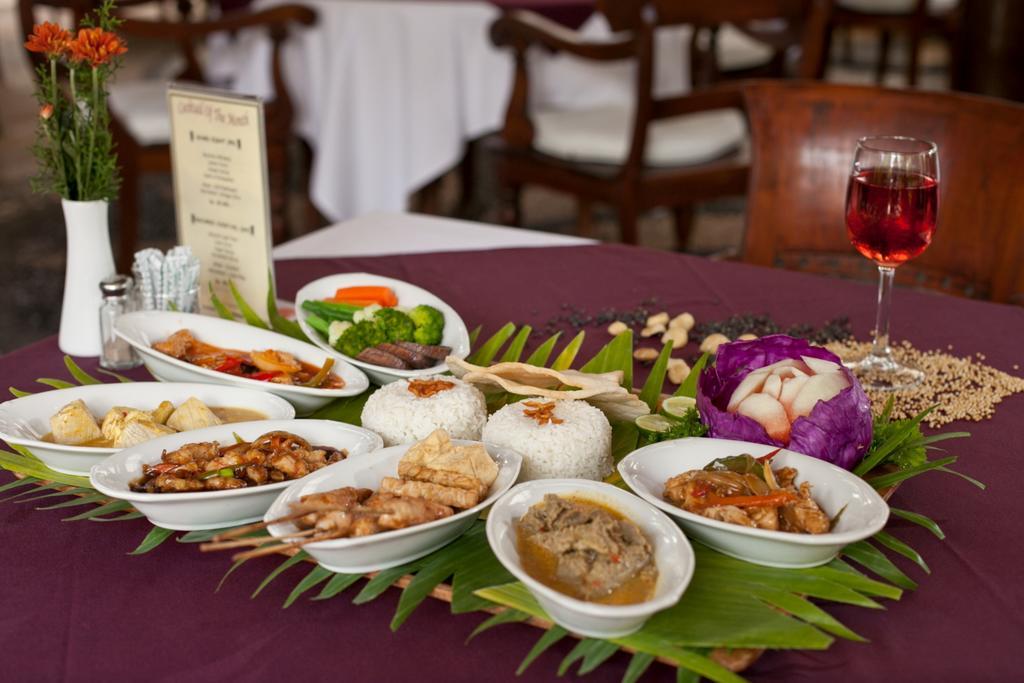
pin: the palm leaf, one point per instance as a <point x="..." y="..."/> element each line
<point x="651" y="391"/>
<point x="689" y="385"/>
<point x="218" y="305"/>
<point x="515" y="348"/>
<point x="337" y="584"/>
<point x="376" y="586"/>
<point x="920" y="520"/>
<point x="542" y="353"/>
<point x="155" y="537"/>
<point x="280" y="569"/>
<point x="549" y="638"/>
<point x="18" y="393"/>
<point x="489" y="349"/>
<point x="638" y="665"/>
<point x="897" y="546"/>
<point x="314" y="578"/>
<point x="55" y="383"/>
<point x="80" y="375"/>
<point x="564" y="360"/>
<point x="248" y="314"/>
<point x="278" y="322"/>
<point x="505" y="616"/>
<point x="872" y="558"/>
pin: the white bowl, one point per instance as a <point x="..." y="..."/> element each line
<point x="142" y="329"/>
<point x="217" y="509"/>
<point x="389" y="548"/>
<point x="672" y="555"/>
<point x="456" y="335"/>
<point x="647" y="469"/>
<point x="24" y="421"/>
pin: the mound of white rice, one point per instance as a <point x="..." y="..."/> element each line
<point x="578" y="448"/>
<point x="400" y="416"/>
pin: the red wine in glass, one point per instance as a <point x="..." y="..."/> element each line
<point x="890" y="214"/>
<point x="892" y="202"/>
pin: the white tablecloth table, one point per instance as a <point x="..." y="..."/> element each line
<point x="382" y="233"/>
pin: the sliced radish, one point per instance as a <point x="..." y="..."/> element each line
<point x="751" y="384"/>
<point x="817" y="388"/>
<point x="820" y="366"/>
<point x="789" y="373"/>
<point x="772" y="385"/>
<point x="769" y="413"/>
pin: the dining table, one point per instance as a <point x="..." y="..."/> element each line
<point x="75" y="605"/>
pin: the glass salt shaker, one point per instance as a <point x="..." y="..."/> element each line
<point x="117" y="353"/>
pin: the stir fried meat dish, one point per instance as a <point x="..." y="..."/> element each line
<point x="273" y="457"/>
<point x="745" y="490"/>
<point x="267" y="366"/>
<point x="435" y="479"/>
<point x="587" y="551"/>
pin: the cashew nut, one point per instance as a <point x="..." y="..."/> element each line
<point x="712" y="342"/>
<point x="645" y="354"/>
<point x="617" y="328"/>
<point x="677" y="336"/>
<point x="678" y="371"/>
<point x="746" y="337"/>
<point x="683" y="320"/>
<point x="659" y="319"/>
<point x="652" y="330"/>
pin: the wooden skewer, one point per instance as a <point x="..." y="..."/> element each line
<point x="272" y="549"/>
<point x="253" y="540"/>
<point x="249" y="528"/>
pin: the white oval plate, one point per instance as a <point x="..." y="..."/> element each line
<point x="217" y="509"/>
<point x="646" y="470"/>
<point x="142" y="329"/>
<point x="456" y="335"/>
<point x="24" y="421"/>
<point x="673" y="556"/>
<point x="389" y="548"/>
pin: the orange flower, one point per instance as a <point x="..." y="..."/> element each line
<point x="96" y="46"/>
<point x="46" y="111"/>
<point x="48" y="38"/>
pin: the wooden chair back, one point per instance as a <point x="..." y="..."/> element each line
<point x="804" y="137"/>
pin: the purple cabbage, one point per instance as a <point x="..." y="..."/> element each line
<point x="837" y="431"/>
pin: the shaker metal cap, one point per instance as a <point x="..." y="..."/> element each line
<point x="116" y="285"/>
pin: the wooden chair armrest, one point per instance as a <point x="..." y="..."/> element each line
<point x="181" y="31"/>
<point x="521" y="28"/>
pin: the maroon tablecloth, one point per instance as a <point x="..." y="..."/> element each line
<point x="75" y="606"/>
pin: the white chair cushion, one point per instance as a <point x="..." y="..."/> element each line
<point x="737" y="51"/>
<point x="897" y="6"/>
<point x="141" y="106"/>
<point x="603" y="136"/>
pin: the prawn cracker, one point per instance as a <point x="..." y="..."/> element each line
<point x="437" y="452"/>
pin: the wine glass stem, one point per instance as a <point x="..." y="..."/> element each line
<point x="880" y="348"/>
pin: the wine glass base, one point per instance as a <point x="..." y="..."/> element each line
<point x="881" y="373"/>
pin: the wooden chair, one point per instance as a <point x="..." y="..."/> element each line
<point x="913" y="18"/>
<point x="659" y="152"/>
<point x="804" y="136"/>
<point x="140" y="122"/>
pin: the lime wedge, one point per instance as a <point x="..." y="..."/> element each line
<point x="677" y="405"/>
<point x="653" y="424"/>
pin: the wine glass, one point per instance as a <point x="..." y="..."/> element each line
<point x="891" y="205"/>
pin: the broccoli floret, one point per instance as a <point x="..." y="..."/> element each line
<point x="360" y="336"/>
<point x="429" y="324"/>
<point x="397" y="326"/>
<point x="335" y="330"/>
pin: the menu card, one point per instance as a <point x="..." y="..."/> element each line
<point x="219" y="162"/>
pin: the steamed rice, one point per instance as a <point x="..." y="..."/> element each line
<point x="400" y="416"/>
<point x="580" y="447"/>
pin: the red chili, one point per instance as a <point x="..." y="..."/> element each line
<point x="229" y="364"/>
<point x="768" y="456"/>
<point x="264" y="376"/>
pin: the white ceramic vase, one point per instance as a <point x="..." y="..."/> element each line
<point x="89" y="261"/>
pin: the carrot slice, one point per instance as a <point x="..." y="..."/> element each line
<point x="384" y="296"/>
<point x="777" y="499"/>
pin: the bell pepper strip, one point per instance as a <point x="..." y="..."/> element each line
<point x="772" y="500"/>
<point x="162" y="468"/>
<point x="321" y="374"/>
<point x="384" y="296"/>
<point x="222" y="472"/>
<point x="230" y="363"/>
<point x="264" y="376"/>
<point x="768" y="456"/>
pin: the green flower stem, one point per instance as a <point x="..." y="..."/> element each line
<point x="76" y="114"/>
<point x="57" y="145"/>
<point x="94" y="121"/>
